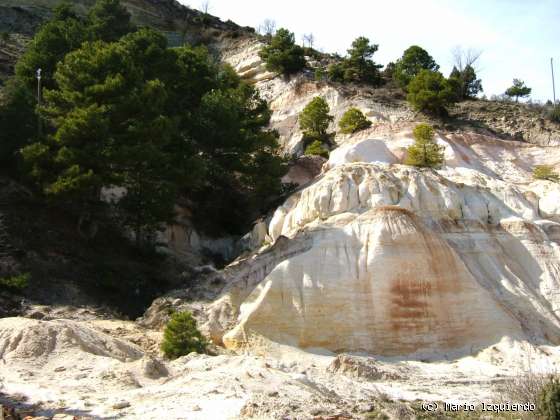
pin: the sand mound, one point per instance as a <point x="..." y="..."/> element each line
<point x="40" y="340"/>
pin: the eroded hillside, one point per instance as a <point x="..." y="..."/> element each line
<point x="434" y="284"/>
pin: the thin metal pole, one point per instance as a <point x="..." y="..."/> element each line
<point x="39" y="122"/>
<point x="553" y="86"/>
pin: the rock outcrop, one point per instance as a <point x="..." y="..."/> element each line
<point x="393" y="260"/>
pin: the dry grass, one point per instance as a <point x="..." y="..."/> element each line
<point x="525" y="386"/>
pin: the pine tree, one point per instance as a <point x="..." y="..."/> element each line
<point x="282" y="55"/>
<point x="357" y="66"/>
<point x="112" y="128"/>
<point x="518" y="90"/>
<point x="65" y="32"/>
<point x="468" y="86"/>
<point x="414" y="60"/>
<point x="430" y="92"/>
<point x="182" y="337"/>
<point x="425" y="152"/>
<point x="109" y="21"/>
<point x="314" y="120"/>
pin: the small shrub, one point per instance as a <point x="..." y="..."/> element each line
<point x="352" y="121"/>
<point x="18" y="282"/>
<point x="545" y="172"/>
<point x="425" y="152"/>
<point x="548" y="402"/>
<point x="554" y="114"/>
<point x="182" y="337"/>
<point x="317" y="148"/>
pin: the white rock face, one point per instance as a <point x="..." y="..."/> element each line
<point x="380" y="257"/>
<point x="404" y="261"/>
<point x="393" y="260"/>
<point x="381" y="284"/>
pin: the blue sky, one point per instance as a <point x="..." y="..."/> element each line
<point x="517" y="37"/>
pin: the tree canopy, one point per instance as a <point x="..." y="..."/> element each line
<point x="108" y="21"/>
<point x="282" y="55"/>
<point x="65" y="32"/>
<point x="518" y="90"/>
<point x="414" y="60"/>
<point x="154" y="122"/>
<point x="430" y="92"/>
<point x="468" y="86"/>
<point x="358" y="65"/>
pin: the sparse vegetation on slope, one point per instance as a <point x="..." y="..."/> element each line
<point x="16" y="282"/>
<point x="554" y="114"/>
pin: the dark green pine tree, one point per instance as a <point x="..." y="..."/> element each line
<point x="282" y="55"/>
<point x="108" y="21"/>
<point x="414" y="60"/>
<point x="65" y="32"/>
<point x="182" y="337"/>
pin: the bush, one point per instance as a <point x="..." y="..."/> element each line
<point x="317" y="148"/>
<point x="430" y="92"/>
<point x="283" y="55"/>
<point x="545" y="172"/>
<point x="523" y="387"/>
<point x="425" y="152"/>
<point x="549" y="400"/>
<point x="182" y="337"/>
<point x="554" y="114"/>
<point x="18" y="282"/>
<point x="352" y="121"/>
<point x="314" y="120"/>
